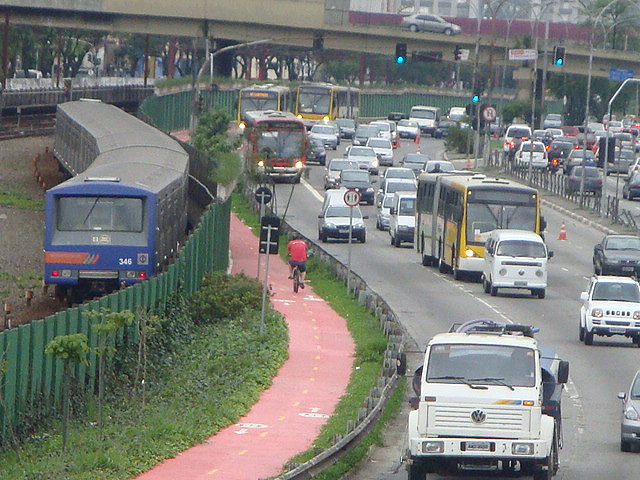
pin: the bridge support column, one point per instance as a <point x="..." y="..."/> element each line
<point x="172" y="57"/>
<point x="523" y="77"/>
<point x="262" y="66"/>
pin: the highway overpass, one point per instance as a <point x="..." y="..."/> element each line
<point x="285" y="22"/>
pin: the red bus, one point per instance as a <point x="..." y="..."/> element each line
<point x="277" y="143"/>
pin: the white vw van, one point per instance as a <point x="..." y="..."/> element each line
<point x="515" y="259"/>
<point x="426" y="117"/>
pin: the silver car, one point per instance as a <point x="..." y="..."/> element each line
<point x="332" y="172"/>
<point x="630" y="424"/>
<point x="430" y="23"/>
<point x="328" y="134"/>
<point x="365" y="157"/>
<point x="383" y="214"/>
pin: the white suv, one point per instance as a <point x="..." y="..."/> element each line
<point x="610" y="306"/>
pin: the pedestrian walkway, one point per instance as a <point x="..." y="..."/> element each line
<point x="288" y="415"/>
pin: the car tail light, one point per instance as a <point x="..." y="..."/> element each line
<point x="554" y="160"/>
<point x="512" y="144"/>
<point x="546" y="147"/>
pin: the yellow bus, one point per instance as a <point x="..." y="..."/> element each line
<point x="317" y="102"/>
<point x="263" y="97"/>
<point x="456" y="211"/>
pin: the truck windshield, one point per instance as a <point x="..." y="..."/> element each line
<point x="482" y="365"/>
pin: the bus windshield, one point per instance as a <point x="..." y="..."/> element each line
<point x="108" y="214"/>
<point x="315" y="101"/>
<point x="279" y="143"/>
<point x="257" y="101"/>
<point x="484" y="217"/>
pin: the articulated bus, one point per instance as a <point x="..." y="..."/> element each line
<point x="456" y="211"/>
<point x="317" y="102"/>
<point x="263" y="97"/>
<point x="277" y="143"/>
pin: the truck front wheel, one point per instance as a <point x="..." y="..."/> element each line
<point x="416" y="471"/>
<point x="550" y="466"/>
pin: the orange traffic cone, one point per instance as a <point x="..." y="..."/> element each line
<point x="563" y="232"/>
<point x="416" y="139"/>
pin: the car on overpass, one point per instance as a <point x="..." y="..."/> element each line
<point x="421" y="22"/>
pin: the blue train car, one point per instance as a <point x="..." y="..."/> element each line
<point x="123" y="214"/>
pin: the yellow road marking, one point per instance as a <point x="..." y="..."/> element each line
<point x="304" y="392"/>
<point x="264" y="434"/>
<point x="295" y="404"/>
<point x="212" y="472"/>
<point x="243" y="452"/>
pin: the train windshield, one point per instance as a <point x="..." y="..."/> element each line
<point x="79" y="214"/>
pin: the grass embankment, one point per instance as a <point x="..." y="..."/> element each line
<point x="200" y="383"/>
<point x="370" y="346"/>
<point x="15" y="196"/>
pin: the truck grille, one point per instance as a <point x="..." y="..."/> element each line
<point x="459" y="418"/>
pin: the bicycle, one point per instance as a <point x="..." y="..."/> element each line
<point x="297" y="282"/>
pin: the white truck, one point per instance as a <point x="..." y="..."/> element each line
<point x="488" y="399"/>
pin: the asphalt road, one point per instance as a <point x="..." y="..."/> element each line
<point x="427" y="302"/>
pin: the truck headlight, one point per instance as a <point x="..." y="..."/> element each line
<point x="522" y="448"/>
<point x="539" y="273"/>
<point x="433" y="447"/>
<point x="502" y="272"/>
<point x="636" y="315"/>
<point x="596" y="312"/>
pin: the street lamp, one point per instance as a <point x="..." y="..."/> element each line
<point x="587" y="110"/>
<point x="196" y="90"/>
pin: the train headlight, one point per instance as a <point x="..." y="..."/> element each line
<point x="299" y="164"/>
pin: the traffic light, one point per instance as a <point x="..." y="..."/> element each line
<point x="457" y="53"/>
<point x="558" y="56"/>
<point x="476" y="97"/>
<point x="401" y="53"/>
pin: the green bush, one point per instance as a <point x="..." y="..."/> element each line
<point x="225" y="296"/>
<point x="456" y="140"/>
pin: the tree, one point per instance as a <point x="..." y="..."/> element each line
<point x="212" y="141"/>
<point x="110" y="323"/>
<point x="70" y="349"/>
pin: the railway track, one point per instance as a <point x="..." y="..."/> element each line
<point x="31" y="125"/>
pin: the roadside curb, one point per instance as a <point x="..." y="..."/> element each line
<point x="580" y="218"/>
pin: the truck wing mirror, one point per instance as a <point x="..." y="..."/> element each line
<point x="563" y="371"/>
<point x="543" y="224"/>
<point x="414" y="402"/>
<point x="584" y="296"/>
<point x="622" y="395"/>
<point x="550" y="254"/>
<point x="392" y="211"/>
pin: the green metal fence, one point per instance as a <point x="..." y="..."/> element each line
<point x="172" y="112"/>
<point x="380" y="104"/>
<point x="31" y="376"/>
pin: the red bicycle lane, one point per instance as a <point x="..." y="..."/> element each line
<point x="288" y="415"/>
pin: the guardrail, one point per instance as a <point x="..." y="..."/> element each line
<point x="558" y="184"/>
<point x="30" y="84"/>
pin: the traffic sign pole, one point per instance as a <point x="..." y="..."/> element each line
<point x="263" y="196"/>
<point x="349" y="249"/>
<point x="266" y="279"/>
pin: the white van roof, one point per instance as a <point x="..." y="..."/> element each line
<point x="513" y="234"/>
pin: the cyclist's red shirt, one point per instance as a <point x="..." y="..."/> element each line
<point x="297" y="250"/>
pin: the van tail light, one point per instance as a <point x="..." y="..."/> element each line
<point x="554" y="161"/>
<point x="512" y="144"/>
<point x="546" y="147"/>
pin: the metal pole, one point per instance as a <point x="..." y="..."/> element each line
<point x="544" y="62"/>
<point x="196" y="88"/>
<point x="606" y="145"/>
<point x="476" y="143"/>
<point x="349" y="250"/>
<point x="586" y="120"/>
<point x="266" y="280"/>
<point x="5" y="50"/>
<point x="261" y="215"/>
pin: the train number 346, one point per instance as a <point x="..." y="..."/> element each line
<point x="125" y="261"/>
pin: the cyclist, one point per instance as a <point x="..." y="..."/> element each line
<point x="297" y="253"/>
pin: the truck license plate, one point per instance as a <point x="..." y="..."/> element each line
<point x="520" y="283"/>
<point x="617" y="330"/>
<point x="627" y="269"/>
<point x="478" y="446"/>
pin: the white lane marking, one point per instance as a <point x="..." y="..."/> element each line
<point x="563" y="268"/>
<point x="462" y="287"/>
<point x="313" y="191"/>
